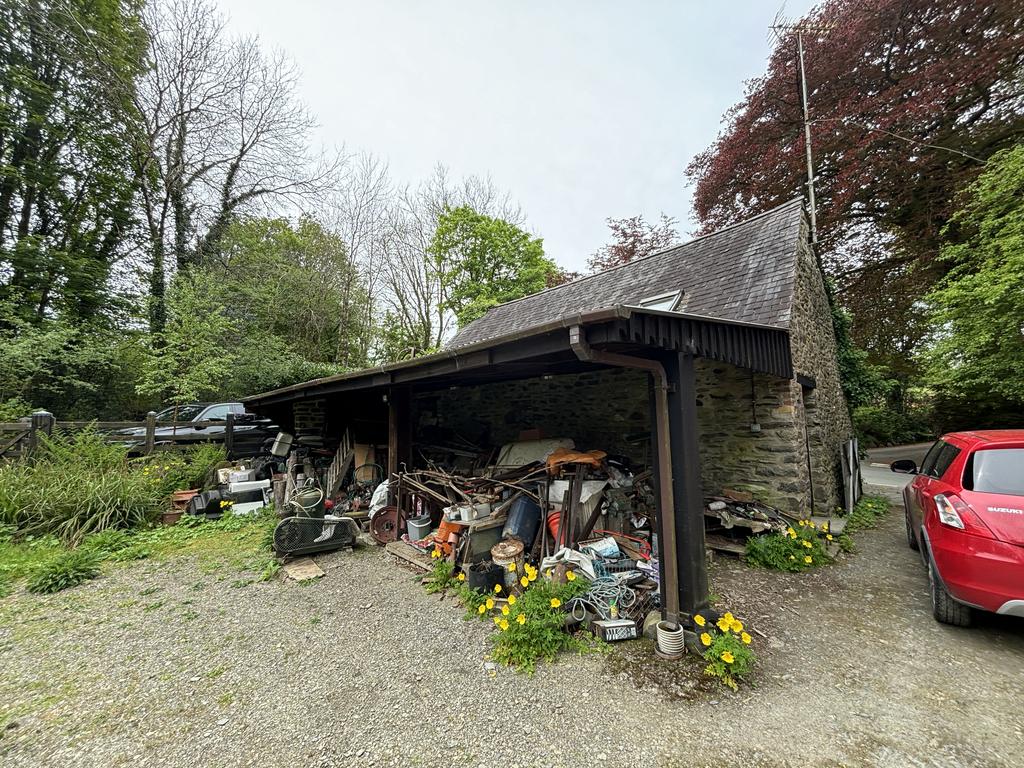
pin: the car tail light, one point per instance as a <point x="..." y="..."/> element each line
<point x="954" y="512"/>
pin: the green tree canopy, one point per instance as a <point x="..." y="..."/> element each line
<point x="484" y="261"/>
<point x="978" y="352"/>
<point x="67" y="126"/>
<point x="279" y="303"/>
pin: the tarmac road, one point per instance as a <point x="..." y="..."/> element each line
<point x="879" y="479"/>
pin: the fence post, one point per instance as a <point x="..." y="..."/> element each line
<point x="42" y="421"/>
<point x="229" y="435"/>
<point x="150" y="432"/>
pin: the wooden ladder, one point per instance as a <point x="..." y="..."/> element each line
<point x="343" y="459"/>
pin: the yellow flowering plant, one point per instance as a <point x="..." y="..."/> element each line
<point x="726" y="648"/>
<point x="797" y="549"/>
<point x="533" y="625"/>
<point x="442" y="577"/>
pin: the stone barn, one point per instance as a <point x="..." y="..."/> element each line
<point x="712" y="362"/>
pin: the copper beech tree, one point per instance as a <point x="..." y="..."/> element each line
<point x="908" y="98"/>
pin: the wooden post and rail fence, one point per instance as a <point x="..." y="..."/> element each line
<point x="21" y="439"/>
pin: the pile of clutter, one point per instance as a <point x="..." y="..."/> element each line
<point x="241" y="488"/>
<point x="541" y="505"/>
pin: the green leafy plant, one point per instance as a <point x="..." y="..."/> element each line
<point x="799" y="548"/>
<point x="66" y="570"/>
<point x="76" y="485"/>
<point x="726" y="648"/>
<point x="532" y="624"/>
<point x="442" y="577"/>
<point x="866" y="513"/>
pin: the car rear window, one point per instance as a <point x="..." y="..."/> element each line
<point x="996" y="470"/>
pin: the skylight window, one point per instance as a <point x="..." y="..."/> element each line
<point x="664" y="301"/>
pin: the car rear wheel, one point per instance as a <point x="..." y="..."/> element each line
<point x="911" y="538"/>
<point x="945" y="609"/>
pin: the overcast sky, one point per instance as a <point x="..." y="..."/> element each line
<point x="581" y="109"/>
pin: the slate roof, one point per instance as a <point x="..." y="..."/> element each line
<point x="745" y="272"/>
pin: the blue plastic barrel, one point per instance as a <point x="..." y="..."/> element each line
<point x="523" y="521"/>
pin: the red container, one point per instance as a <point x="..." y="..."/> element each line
<point x="554" y="518"/>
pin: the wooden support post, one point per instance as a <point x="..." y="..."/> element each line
<point x="686" y="483"/>
<point x="399" y="429"/>
<point x="150" y="432"/>
<point x="41" y="424"/>
<point x="392" y="436"/>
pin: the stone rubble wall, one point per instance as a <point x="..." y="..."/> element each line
<point x="813" y="346"/>
<point x="609" y="410"/>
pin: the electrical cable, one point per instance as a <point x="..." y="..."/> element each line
<point x="604" y="591"/>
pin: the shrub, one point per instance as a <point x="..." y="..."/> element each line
<point x="878" y="425"/>
<point x="65" y="570"/>
<point x="80" y="484"/>
<point x="726" y="649"/>
<point x="795" y="550"/>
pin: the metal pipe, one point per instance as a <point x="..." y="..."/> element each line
<point x="807" y="137"/>
<point x="667" y="514"/>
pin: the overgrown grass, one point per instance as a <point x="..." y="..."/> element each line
<point x="234" y="543"/>
<point x="866" y="513"/>
<point x="80" y="484"/>
<point x="68" y="569"/>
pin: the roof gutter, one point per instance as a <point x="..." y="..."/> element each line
<point x="666" y="512"/>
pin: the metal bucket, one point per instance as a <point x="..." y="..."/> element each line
<point x="311" y="501"/>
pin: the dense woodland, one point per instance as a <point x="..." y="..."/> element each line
<point x="169" y="230"/>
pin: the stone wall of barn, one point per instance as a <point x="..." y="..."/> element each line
<point x="609" y="410"/>
<point x="823" y="408"/>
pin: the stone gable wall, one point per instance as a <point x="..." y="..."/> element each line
<point x="813" y="344"/>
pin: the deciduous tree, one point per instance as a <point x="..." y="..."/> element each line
<point x="633" y="238"/>
<point x="485" y="261"/>
<point x="978" y="351"/>
<point x="224" y="136"/>
<point x="908" y="99"/>
<point x="66" y="127"/>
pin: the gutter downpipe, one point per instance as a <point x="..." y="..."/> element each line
<point x="586" y="353"/>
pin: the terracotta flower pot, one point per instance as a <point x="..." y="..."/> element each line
<point x="180" y="499"/>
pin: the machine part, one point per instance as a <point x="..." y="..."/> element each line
<point x="671" y="640"/>
<point x="385" y="525"/>
<point x="613" y="630"/>
<point x="304" y="535"/>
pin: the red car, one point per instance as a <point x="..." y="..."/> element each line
<point x="965" y="514"/>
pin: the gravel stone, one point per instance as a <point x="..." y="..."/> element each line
<point x="282" y="674"/>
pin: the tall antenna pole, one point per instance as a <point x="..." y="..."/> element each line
<point x="807" y="137"/>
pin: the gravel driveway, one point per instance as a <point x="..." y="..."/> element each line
<point x="164" y="664"/>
